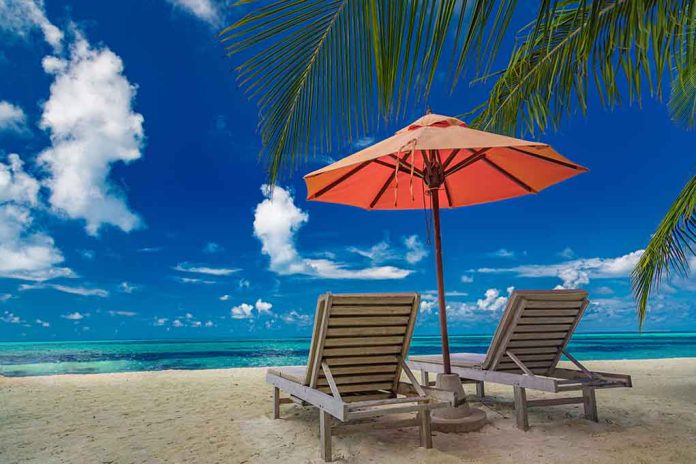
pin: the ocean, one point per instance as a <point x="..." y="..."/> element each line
<point x="50" y="358"/>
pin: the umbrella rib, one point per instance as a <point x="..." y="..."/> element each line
<point x="417" y="172"/>
<point x="550" y="160"/>
<point x="472" y="159"/>
<point x="339" y="180"/>
<point x="447" y="192"/>
<point x="385" y="186"/>
<point x="450" y="158"/>
<point x="407" y="166"/>
<point x="509" y="176"/>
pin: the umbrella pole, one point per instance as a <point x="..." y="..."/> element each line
<point x="440" y="280"/>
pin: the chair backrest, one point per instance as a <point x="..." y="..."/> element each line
<point x="536" y="327"/>
<point x="361" y="337"/>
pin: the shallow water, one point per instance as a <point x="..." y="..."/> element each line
<point x="47" y="358"/>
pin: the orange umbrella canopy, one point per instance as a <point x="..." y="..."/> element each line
<point x="465" y="166"/>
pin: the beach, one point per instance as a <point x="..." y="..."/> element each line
<point x="224" y="415"/>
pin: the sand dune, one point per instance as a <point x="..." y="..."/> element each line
<point x="223" y="416"/>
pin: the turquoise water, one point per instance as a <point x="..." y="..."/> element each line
<point x="48" y="358"/>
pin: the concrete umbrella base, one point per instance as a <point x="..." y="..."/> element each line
<point x="456" y="419"/>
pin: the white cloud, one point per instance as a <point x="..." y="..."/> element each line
<point x="426" y="306"/>
<point x="242" y="311"/>
<point x="205" y="10"/>
<point x="224" y="297"/>
<point x="578" y="272"/>
<point x="467" y="279"/>
<point x="416" y="251"/>
<point x="149" y="250"/>
<point x="209" y="324"/>
<point x="212" y="247"/>
<point x="125" y="287"/>
<point x="20" y="17"/>
<point x="263" y="307"/>
<point x="82" y="291"/>
<point x="5" y="297"/>
<point x="11" y="318"/>
<point x="277" y="219"/>
<point x="502" y="253"/>
<point x="193" y="280"/>
<point x="76" y="316"/>
<point x="295" y="318"/>
<point x="244" y="283"/>
<point x="25" y="253"/>
<point x="123" y="313"/>
<point x="92" y="126"/>
<point x="247" y="311"/>
<point x="492" y="300"/>
<point x="177" y="323"/>
<point x="12" y="118"/>
<point x="160" y="321"/>
<point x="214" y="271"/>
<point x="43" y="323"/>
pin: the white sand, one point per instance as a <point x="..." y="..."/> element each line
<point x="224" y="416"/>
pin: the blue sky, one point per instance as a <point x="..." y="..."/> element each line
<point x="131" y="201"/>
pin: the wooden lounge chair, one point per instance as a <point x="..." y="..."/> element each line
<point x="356" y="358"/>
<point x="531" y="337"/>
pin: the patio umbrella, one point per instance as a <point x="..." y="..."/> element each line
<point x="438" y="162"/>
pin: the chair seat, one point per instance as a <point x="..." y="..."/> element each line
<point x="293" y="373"/>
<point x="456" y="359"/>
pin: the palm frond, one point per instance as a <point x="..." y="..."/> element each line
<point x="613" y="43"/>
<point x="327" y="70"/>
<point x="682" y="99"/>
<point x="669" y="249"/>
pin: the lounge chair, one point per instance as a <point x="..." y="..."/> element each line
<point x="356" y="358"/>
<point x="531" y="337"/>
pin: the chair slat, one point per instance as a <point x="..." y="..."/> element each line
<point x="362" y="350"/>
<point x="537" y="335"/>
<point x="549" y="312"/>
<point x="364" y="369"/>
<point x="367" y="321"/>
<point x="364" y="331"/>
<point x="373" y="310"/>
<point x="362" y="341"/>
<point x="361" y="360"/>
<point x="542" y="304"/>
<point x="363" y="378"/>
<point x="543" y="320"/>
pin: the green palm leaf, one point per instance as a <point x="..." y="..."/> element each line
<point x="320" y="69"/>
<point x="606" y="42"/>
<point x="669" y="249"/>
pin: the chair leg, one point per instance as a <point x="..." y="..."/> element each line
<point x="480" y="392"/>
<point x="590" y="403"/>
<point x="521" y="408"/>
<point x="425" y="380"/>
<point x="426" y="434"/>
<point x="276" y="403"/>
<point x="325" y="435"/>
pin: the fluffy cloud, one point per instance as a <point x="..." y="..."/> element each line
<point x="578" y="272"/>
<point x="242" y="311"/>
<point x="205" y="10"/>
<point x="490" y="305"/>
<point x="25" y="253"/>
<point x="12" y="118"/>
<point x="277" y="219"/>
<point x="416" y="251"/>
<point x="21" y="17"/>
<point x="247" y="311"/>
<point x="224" y="297"/>
<point x="214" y="271"/>
<point x="92" y="126"/>
<point x="43" y="323"/>
<point x="467" y="279"/>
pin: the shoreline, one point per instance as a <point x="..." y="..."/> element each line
<point x="223" y="369"/>
<point x="224" y="415"/>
